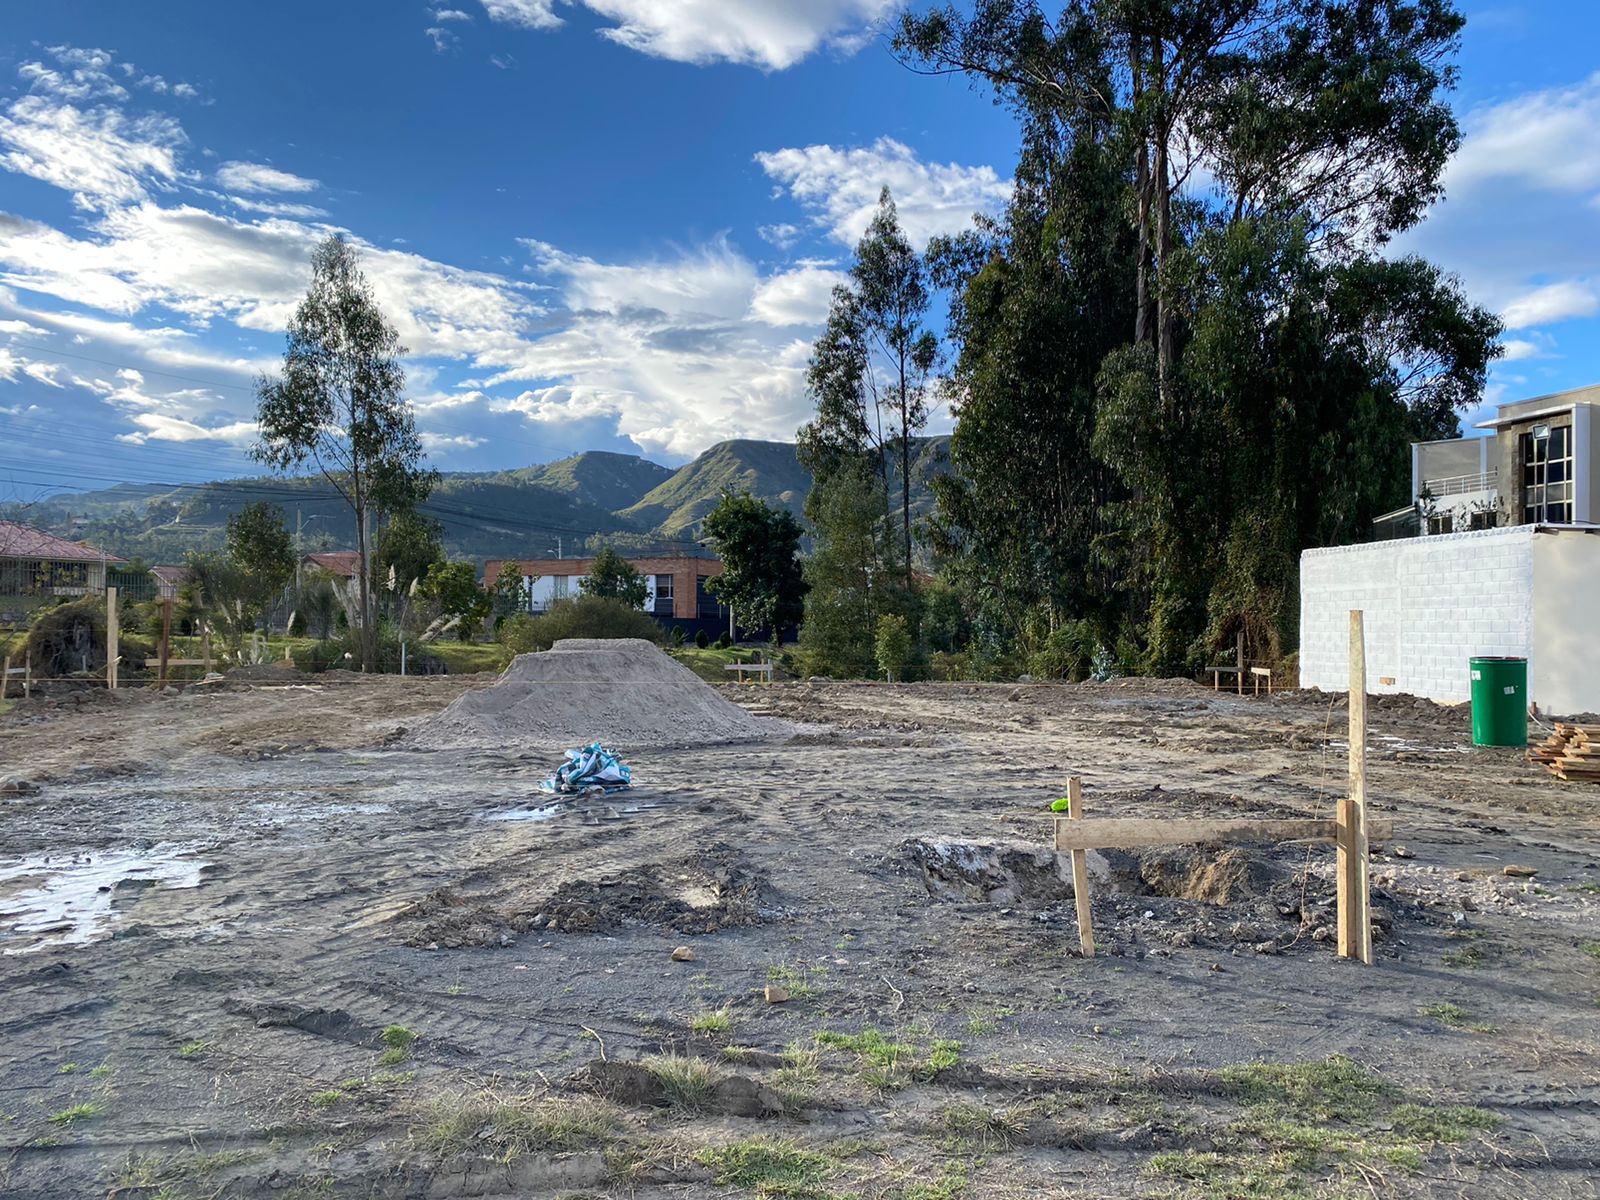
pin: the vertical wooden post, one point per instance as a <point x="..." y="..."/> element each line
<point x="1080" y="872"/>
<point x="113" y="637"/>
<point x="205" y="638"/>
<point x="166" y="636"/>
<point x="1355" y="922"/>
<point x="1239" y="659"/>
<point x="5" y="677"/>
<point x="27" y="676"/>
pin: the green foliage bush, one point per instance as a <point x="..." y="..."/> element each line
<point x="892" y="645"/>
<point x="702" y="638"/>
<point x="1067" y="652"/>
<point x="579" y="617"/>
<point x="723" y="641"/>
<point x="69" y="638"/>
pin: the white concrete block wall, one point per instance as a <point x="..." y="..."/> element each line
<point x="1430" y="603"/>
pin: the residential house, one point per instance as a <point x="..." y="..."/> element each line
<point x="1537" y="463"/>
<point x="169" y="580"/>
<point x="345" y="564"/>
<point x="1499" y="555"/>
<point x="676" y="585"/>
<point x="34" y="563"/>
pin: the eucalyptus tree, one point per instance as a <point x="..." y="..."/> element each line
<point x="339" y="405"/>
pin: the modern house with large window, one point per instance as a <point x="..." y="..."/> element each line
<point x="677" y="584"/>
<point x="1537" y="464"/>
<point x="1499" y="554"/>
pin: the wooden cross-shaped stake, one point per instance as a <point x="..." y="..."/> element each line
<point x="1350" y="870"/>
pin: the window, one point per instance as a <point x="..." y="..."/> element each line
<point x="1442" y="523"/>
<point x="1483" y="519"/>
<point x="663" y="587"/>
<point x="1547" y="475"/>
<point x="558" y="587"/>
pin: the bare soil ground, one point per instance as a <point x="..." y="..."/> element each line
<point x="253" y="946"/>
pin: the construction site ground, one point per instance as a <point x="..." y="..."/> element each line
<point x="255" y="945"/>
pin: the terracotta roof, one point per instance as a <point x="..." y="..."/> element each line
<point x="340" y="562"/>
<point x="171" y="574"/>
<point x="24" y="541"/>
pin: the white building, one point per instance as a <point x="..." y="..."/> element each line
<point x="1503" y="559"/>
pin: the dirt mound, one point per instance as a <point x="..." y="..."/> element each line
<point x="623" y="692"/>
<point x="710" y="891"/>
<point x="702" y="896"/>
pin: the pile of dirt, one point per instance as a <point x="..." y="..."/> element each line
<point x="710" y="891"/>
<point x="624" y="692"/>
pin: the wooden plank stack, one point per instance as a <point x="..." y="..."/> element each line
<point x="1571" y="752"/>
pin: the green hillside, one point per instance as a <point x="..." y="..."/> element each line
<point x="584" y="501"/>
<point x="680" y="503"/>
<point x="599" y="477"/>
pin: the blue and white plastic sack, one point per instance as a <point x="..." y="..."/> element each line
<point x="589" y="769"/>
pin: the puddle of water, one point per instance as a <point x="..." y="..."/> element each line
<point x="66" y="899"/>
<point x="543" y="813"/>
<point x="278" y="812"/>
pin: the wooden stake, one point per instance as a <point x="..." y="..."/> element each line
<point x="1080" y="872"/>
<point x="113" y="637"/>
<point x="5" y="677"/>
<point x="205" y="637"/>
<point x="166" y="636"/>
<point x="1354" y="897"/>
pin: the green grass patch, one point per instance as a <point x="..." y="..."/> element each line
<point x="802" y="982"/>
<point x="1453" y="1016"/>
<point x="689" y="1082"/>
<point x="1465" y="956"/>
<point x="769" y="1167"/>
<point x="193" y="1049"/>
<point x="85" y="1111"/>
<point x="326" y="1098"/>
<point x="1334" y="1089"/>
<point x="717" y="1023"/>
<point x="1592" y="949"/>
<point x="509" y="1126"/>
<point x="711" y="663"/>
<point x="973" y="1126"/>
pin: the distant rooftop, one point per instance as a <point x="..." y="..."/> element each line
<point x="1543" y="406"/>
<point x="341" y="562"/>
<point x="24" y="541"/>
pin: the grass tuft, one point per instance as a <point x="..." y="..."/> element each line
<point x="1453" y="1016"/>
<point x="509" y="1126"/>
<point x="85" y="1111"/>
<point x="973" y="1125"/>
<point x="718" y="1023"/>
<point x="689" y="1082"/>
<point x="770" y="1168"/>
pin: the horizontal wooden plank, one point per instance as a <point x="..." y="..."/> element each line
<point x="176" y="662"/>
<point x="1127" y="833"/>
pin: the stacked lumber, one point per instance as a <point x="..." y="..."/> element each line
<point x="1571" y="752"/>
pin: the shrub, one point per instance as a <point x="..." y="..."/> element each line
<point x="1067" y="653"/>
<point x="702" y="639"/>
<point x="297" y="624"/>
<point x="723" y="641"/>
<point x="71" y="638"/>
<point x="580" y="617"/>
<point x="892" y="645"/>
<point x="677" y="635"/>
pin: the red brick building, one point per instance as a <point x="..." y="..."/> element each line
<point x="677" y="582"/>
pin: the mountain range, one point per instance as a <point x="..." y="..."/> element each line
<point x="569" y="507"/>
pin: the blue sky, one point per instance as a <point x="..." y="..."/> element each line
<point x="597" y="223"/>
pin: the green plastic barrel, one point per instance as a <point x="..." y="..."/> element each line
<point x="1499" y="702"/>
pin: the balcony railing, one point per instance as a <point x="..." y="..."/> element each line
<point x="1461" y="485"/>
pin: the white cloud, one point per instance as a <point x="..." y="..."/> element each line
<point x="797" y="297"/>
<point x="100" y="155"/>
<point x="258" y="177"/>
<point x="450" y="14"/>
<point x="1553" y="302"/>
<point x="1546" y="139"/>
<point x="278" y="208"/>
<point x="782" y="235"/>
<point x="840" y="188"/>
<point x="436" y="442"/>
<point x="526" y="14"/>
<point x="85" y="74"/>
<point x="444" y="40"/>
<point x="769" y="34"/>
<point x="159" y="427"/>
